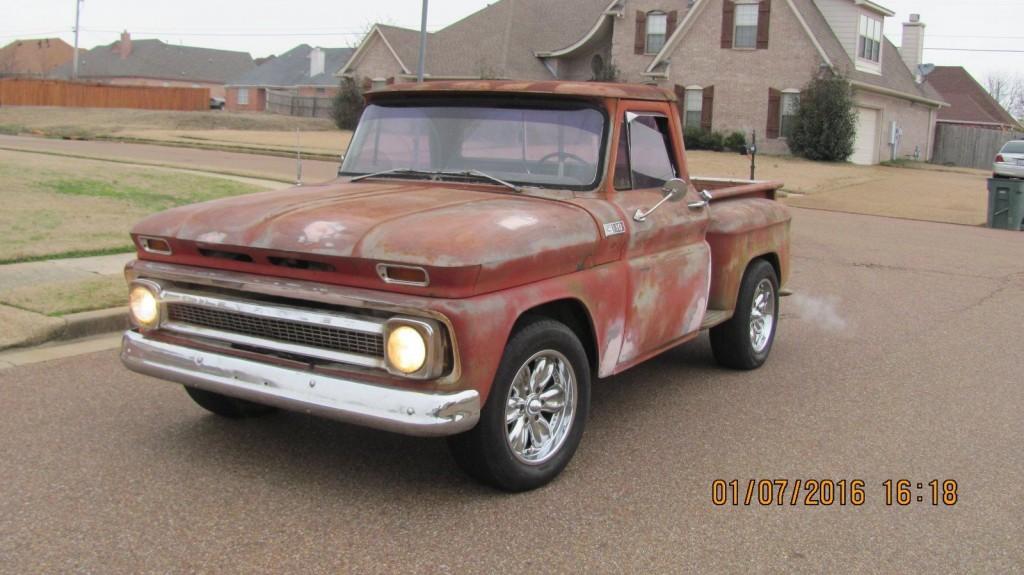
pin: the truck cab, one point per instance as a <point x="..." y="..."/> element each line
<point x="488" y="251"/>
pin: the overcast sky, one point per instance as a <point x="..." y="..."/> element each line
<point x="264" y="27"/>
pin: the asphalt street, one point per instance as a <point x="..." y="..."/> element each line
<point x="899" y="357"/>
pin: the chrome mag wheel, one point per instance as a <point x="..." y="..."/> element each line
<point x="762" y="315"/>
<point x="540" y="407"/>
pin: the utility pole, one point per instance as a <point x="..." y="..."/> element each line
<point x="74" y="66"/>
<point x="423" y="44"/>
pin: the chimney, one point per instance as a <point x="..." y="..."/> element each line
<point x="124" y="47"/>
<point x="316" y="62"/>
<point x="912" y="48"/>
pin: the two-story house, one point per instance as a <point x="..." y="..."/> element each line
<point x="734" y="64"/>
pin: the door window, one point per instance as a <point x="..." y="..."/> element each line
<point x="649" y="162"/>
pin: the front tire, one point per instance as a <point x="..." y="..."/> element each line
<point x="225" y="406"/>
<point x="745" y="341"/>
<point x="535" y="413"/>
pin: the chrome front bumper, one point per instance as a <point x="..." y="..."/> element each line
<point x="387" y="408"/>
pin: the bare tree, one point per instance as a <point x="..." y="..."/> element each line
<point x="1009" y="92"/>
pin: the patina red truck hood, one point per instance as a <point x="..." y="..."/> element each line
<point x="470" y="239"/>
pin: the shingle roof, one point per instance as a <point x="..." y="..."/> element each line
<point x="500" y="40"/>
<point x="292" y="69"/>
<point x="968" y="100"/>
<point x="155" y="59"/>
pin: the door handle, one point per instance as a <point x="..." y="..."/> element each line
<point x="705" y="199"/>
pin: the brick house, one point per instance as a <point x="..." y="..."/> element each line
<point x="735" y="64"/>
<point x="301" y="71"/>
<point x="130" y="62"/>
<point x="37" y="57"/>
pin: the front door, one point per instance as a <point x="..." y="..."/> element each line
<point x="669" y="261"/>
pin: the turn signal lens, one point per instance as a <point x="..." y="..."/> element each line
<point x="407" y="350"/>
<point x="143" y="306"/>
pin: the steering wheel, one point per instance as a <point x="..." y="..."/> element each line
<point x="566" y="155"/>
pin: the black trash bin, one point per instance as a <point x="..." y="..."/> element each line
<point x="1006" y="204"/>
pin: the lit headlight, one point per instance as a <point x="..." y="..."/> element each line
<point x="407" y="349"/>
<point x="143" y="305"/>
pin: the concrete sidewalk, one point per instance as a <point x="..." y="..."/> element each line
<point x="19" y="328"/>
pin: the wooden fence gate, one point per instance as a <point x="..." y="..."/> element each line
<point x="305" y="106"/>
<point x="969" y="147"/>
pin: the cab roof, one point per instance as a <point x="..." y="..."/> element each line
<point x="554" y="88"/>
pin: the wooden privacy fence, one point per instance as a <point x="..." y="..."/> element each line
<point x="969" y="147"/>
<point x="27" y="92"/>
<point x="305" y="106"/>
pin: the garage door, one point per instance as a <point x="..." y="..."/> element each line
<point x="867" y="137"/>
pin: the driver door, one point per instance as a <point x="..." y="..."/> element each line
<point x="668" y="259"/>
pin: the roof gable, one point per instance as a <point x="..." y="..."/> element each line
<point x="292" y="68"/>
<point x="969" y="102"/>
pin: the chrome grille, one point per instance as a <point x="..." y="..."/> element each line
<point x="324" y="337"/>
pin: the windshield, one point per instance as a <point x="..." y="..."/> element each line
<point x="1015" y="147"/>
<point x="528" y="146"/>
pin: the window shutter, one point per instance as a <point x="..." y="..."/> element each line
<point x="680" y="91"/>
<point x="670" y="25"/>
<point x="367" y="84"/>
<point x="774" y="113"/>
<point x="640" y="45"/>
<point x="764" y="13"/>
<point x="707" y="108"/>
<point x="728" y="17"/>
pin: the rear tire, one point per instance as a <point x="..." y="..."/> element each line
<point x="225" y="406"/>
<point x="535" y="413"/>
<point x="745" y="341"/>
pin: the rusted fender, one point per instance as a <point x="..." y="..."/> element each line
<point x="741" y="230"/>
<point x="471" y="240"/>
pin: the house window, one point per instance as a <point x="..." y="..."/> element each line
<point x="657" y="26"/>
<point x="378" y="83"/>
<point x="790" y="104"/>
<point x="694" y="108"/>
<point x="745" y="35"/>
<point x="869" y="45"/>
<point x="243" y="96"/>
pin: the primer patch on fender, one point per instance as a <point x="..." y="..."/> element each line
<point x="212" y="237"/>
<point x="517" y="221"/>
<point x="317" y="232"/>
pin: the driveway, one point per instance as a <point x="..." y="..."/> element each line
<point x="898" y="358"/>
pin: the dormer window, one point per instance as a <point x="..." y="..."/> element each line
<point x="657" y="27"/>
<point x="746" y="26"/>
<point x="869" y="43"/>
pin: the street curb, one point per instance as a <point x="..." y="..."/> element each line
<point x="90" y="323"/>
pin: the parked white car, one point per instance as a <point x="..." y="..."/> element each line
<point x="1010" y="161"/>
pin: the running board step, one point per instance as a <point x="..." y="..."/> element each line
<point x="714" y="317"/>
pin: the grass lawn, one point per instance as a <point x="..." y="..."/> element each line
<point x="62" y="298"/>
<point x="220" y="129"/>
<point x="59" y="207"/>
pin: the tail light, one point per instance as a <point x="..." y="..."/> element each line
<point x="999" y="159"/>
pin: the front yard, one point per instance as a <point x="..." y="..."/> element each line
<point x="55" y="206"/>
<point x="916" y="191"/>
<point x="215" y="129"/>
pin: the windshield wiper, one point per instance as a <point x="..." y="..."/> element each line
<point x="486" y="176"/>
<point x="394" y="171"/>
<point x="435" y="173"/>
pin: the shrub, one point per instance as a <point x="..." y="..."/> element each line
<point x="736" y="142"/>
<point x="348" y="104"/>
<point x="826" y="122"/>
<point x="698" y="139"/>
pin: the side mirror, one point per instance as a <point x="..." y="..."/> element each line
<point x="674" y="190"/>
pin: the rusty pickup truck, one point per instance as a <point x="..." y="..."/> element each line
<point x="488" y="251"/>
